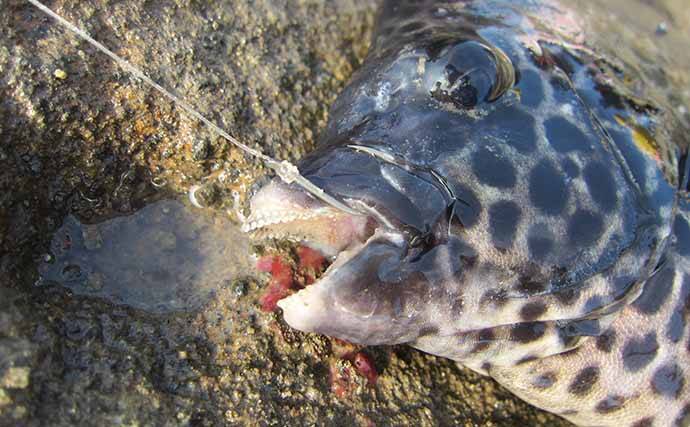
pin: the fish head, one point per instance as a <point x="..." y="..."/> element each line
<point x="489" y="195"/>
<point x="374" y="290"/>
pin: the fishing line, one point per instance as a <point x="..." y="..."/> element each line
<point x="287" y="172"/>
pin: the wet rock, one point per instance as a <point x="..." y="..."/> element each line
<point x="4" y="398"/>
<point x="201" y="149"/>
<point x="78" y="329"/>
<point x="240" y="289"/>
<point x="15" y="377"/>
<point x="15" y="351"/>
<point x="662" y="28"/>
<point x="60" y="74"/>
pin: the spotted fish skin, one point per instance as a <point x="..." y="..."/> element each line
<point x="523" y="229"/>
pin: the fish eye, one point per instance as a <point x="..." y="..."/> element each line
<point x="469" y="73"/>
<point x="461" y="89"/>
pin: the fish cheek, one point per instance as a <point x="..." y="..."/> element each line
<point x="387" y="282"/>
<point x="360" y="289"/>
<point x="378" y="282"/>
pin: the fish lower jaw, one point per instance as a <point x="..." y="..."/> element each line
<point x="302" y="310"/>
<point x="310" y="309"/>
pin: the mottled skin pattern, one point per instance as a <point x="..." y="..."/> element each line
<point x="524" y="227"/>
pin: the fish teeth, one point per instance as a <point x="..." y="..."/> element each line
<point x="265" y="234"/>
<point x="259" y="221"/>
<point x="265" y="218"/>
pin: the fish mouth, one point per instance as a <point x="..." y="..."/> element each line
<point x="281" y="211"/>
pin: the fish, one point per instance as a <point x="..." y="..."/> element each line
<point x="513" y="213"/>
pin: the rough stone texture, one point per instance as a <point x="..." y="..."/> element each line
<point x="655" y="63"/>
<point x="78" y="136"/>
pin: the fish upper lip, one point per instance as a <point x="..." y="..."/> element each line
<point x="266" y="218"/>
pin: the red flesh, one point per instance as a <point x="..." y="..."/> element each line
<point x="364" y="366"/>
<point x="310" y="264"/>
<point x="281" y="281"/>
